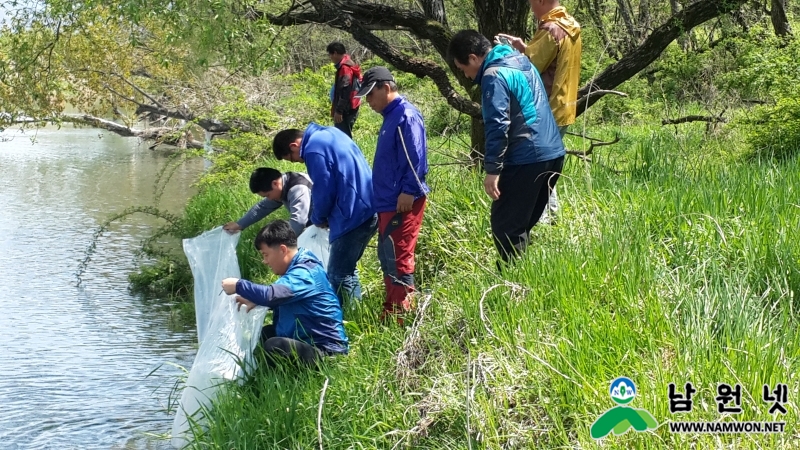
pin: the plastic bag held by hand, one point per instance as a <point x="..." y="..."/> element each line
<point x="227" y="336"/>
<point x="316" y="240"/>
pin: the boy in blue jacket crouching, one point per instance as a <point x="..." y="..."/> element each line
<point x="307" y="318"/>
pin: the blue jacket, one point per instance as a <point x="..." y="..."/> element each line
<point x="342" y="191"/>
<point x="392" y="171"/>
<point x="518" y="123"/>
<point x="304" y="304"/>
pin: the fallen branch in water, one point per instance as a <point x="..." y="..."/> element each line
<point x="160" y="135"/>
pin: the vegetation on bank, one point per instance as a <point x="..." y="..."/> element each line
<point x="675" y="259"/>
<point x="681" y="269"/>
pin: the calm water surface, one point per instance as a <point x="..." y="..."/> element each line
<point x="74" y="360"/>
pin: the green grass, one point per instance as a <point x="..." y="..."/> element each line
<point x="683" y="267"/>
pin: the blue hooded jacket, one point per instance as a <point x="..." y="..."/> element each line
<point x="342" y="191"/>
<point x="394" y="171"/>
<point x="519" y="125"/>
<point x="304" y="304"/>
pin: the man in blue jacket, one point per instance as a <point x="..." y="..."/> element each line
<point x="307" y="318"/>
<point x="524" y="152"/>
<point x="398" y="185"/>
<point x="342" y="194"/>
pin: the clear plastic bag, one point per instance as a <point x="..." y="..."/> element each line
<point x="227" y="337"/>
<point x="212" y="258"/>
<point x="316" y="240"/>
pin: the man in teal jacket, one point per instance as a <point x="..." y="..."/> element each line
<point x="524" y="152"/>
<point x="342" y="194"/>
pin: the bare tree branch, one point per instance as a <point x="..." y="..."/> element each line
<point x="596" y="94"/>
<point x="341" y="15"/>
<point x="595" y="143"/>
<point x="641" y="57"/>
<point x="709" y="119"/>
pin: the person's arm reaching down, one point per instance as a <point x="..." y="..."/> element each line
<point x="260" y="210"/>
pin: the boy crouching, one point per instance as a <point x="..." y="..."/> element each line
<point x="307" y="319"/>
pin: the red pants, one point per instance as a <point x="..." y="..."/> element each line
<point x="397" y="239"/>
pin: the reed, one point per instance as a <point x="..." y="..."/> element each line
<point x="680" y="265"/>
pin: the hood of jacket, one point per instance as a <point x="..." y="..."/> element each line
<point x="310" y="129"/>
<point x="561" y="18"/>
<point x="304" y="256"/>
<point x="497" y="57"/>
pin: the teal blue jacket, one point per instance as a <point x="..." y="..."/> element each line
<point x="304" y="305"/>
<point x="518" y="123"/>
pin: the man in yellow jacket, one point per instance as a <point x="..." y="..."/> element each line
<point x="555" y="50"/>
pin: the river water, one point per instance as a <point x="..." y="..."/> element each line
<point x="74" y="361"/>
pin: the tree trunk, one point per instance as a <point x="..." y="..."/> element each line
<point x="508" y="16"/>
<point x="478" y="138"/>
<point x="645" y="18"/>
<point x="434" y="9"/>
<point x="498" y="16"/>
<point x="684" y="39"/>
<point x="595" y="11"/>
<point x="627" y="19"/>
<point x="779" y="20"/>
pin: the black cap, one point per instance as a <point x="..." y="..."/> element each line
<point x="372" y="77"/>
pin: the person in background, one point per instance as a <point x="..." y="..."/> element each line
<point x="342" y="194"/>
<point x="398" y="185"/>
<point x="344" y="107"/>
<point x="555" y="51"/>
<point x="291" y="190"/>
<point x="307" y="318"/>
<point x="524" y="152"/>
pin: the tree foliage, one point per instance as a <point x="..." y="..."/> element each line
<point x="155" y="57"/>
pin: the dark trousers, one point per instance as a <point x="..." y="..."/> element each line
<point x="348" y="120"/>
<point x="282" y="349"/>
<point x="524" y="192"/>
<point x="343" y="258"/>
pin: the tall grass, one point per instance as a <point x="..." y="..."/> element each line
<point x="684" y="267"/>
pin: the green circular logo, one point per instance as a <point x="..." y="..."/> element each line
<point x="622" y="390"/>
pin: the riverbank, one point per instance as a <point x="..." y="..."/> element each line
<point x="673" y="261"/>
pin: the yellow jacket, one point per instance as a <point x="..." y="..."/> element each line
<point x="556" y="52"/>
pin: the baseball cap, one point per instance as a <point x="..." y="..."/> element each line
<point x="372" y="77"/>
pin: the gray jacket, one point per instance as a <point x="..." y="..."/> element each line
<point x="296" y="198"/>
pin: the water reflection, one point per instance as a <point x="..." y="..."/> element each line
<point x="74" y="364"/>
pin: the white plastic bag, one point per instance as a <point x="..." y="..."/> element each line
<point x="316" y="240"/>
<point x="212" y="258"/>
<point x="228" y="336"/>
